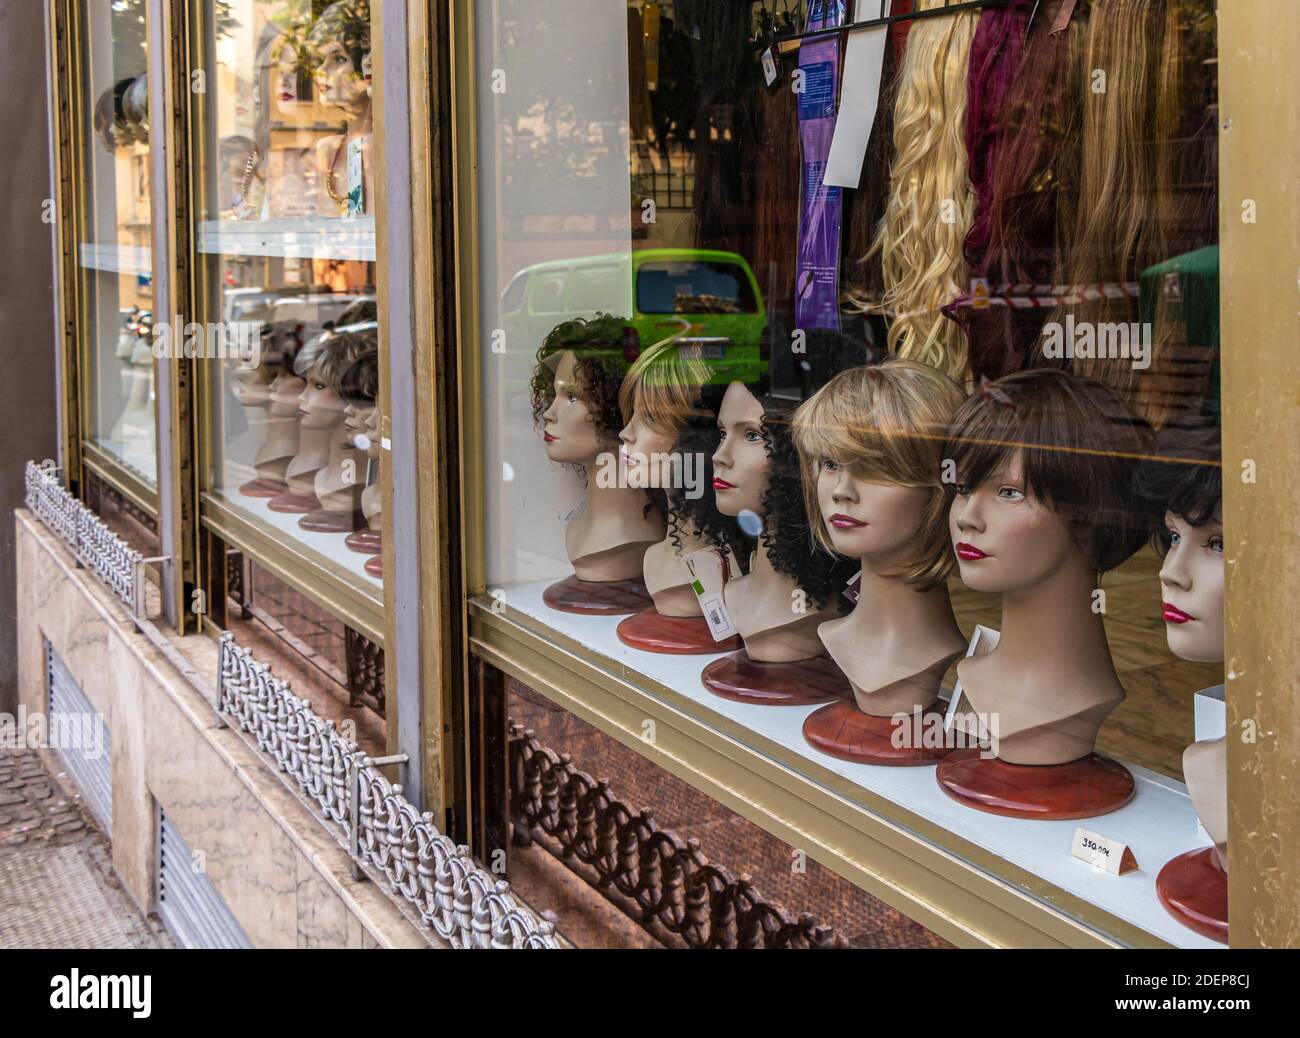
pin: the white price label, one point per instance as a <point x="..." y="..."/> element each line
<point x="1102" y="852"/>
<point x="716" y="616"/>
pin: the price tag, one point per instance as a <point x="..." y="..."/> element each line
<point x="1102" y="852"/>
<point x="709" y="572"/>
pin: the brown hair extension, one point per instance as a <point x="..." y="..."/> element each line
<point x="1032" y="185"/>
<point x="1116" y="230"/>
<point x="776" y="217"/>
<point x="930" y="202"/>
<point x="886" y="424"/>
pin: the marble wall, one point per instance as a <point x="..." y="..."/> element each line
<point x="283" y="876"/>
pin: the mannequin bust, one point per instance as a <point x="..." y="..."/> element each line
<point x="791" y="587"/>
<point x="339" y="482"/>
<point x="277" y="415"/>
<point x="662" y="405"/>
<point x="341" y="39"/>
<point x="1042" y="506"/>
<point x="313" y="440"/>
<point x="361" y="425"/>
<point x="1183" y="482"/>
<point x="580" y="368"/>
<point x="869" y="443"/>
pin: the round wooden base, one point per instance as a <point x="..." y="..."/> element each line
<point x="375" y="566"/>
<point x="596" y="597"/>
<point x="843" y="731"/>
<point x="366" y="541"/>
<point x="264" y="488"/>
<point x="1083" y="788"/>
<point x="294" y="504"/>
<point x="651" y="631"/>
<point x="800" y="683"/>
<point x="321" y="521"/>
<point x="1194" y="890"/>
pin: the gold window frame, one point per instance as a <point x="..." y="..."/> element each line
<point x="946" y="883"/>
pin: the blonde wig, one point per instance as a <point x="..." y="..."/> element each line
<point x="931" y="202"/>
<point x="886" y="424"/>
<point x="663" y="386"/>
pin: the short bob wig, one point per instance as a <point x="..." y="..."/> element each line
<point x="1184" y="476"/>
<point x="886" y="424"/>
<point x="1079" y="446"/>
<point x="663" y="386"/>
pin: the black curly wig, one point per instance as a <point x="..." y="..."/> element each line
<point x="1184" y="476"/>
<point x="699" y="436"/>
<point x="787" y="533"/>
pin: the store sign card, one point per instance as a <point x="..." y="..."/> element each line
<point x="1102" y="852"/>
<point x="356" y="179"/>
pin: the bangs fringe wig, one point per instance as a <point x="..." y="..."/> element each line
<point x="930" y="203"/>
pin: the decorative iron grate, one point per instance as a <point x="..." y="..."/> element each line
<point x="454" y="896"/>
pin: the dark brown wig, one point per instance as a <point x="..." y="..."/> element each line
<point x="603" y="349"/>
<point x="359" y="385"/>
<point x="1079" y="447"/>
<point x="1184" y="476"/>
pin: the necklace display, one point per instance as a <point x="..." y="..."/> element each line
<point x="340" y="200"/>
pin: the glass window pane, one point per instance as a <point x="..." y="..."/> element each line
<point x="114" y="246"/>
<point x="286" y="239"/>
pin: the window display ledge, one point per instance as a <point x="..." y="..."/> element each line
<point x="306" y="238"/>
<point x="978" y="883"/>
<point x="288" y="558"/>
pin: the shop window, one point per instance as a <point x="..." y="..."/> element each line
<point x="114" y="248"/>
<point x="291" y="444"/>
<point x="863" y="457"/>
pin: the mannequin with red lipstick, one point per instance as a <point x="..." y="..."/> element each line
<point x="661" y="400"/>
<point x="1041" y="508"/>
<point x="341" y="40"/>
<point x="1183" y="481"/>
<point x="790" y="587"/>
<point x="575" y="390"/>
<point x="339" y="482"/>
<point x="361" y="428"/>
<point x="869" y="445"/>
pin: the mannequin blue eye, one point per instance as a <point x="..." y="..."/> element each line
<point x="829" y="465"/>
<point x="1174" y="538"/>
<point x="753" y="437"/>
<point x="1215" y="544"/>
<point x="1010" y="494"/>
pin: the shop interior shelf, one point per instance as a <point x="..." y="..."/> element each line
<point x="1157" y="824"/>
<point x="314" y="237"/>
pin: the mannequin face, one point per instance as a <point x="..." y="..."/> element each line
<point x="874" y="522"/>
<point x="372" y="431"/>
<point x="570" y="434"/>
<point x="285" y="390"/>
<point x="647" y="454"/>
<point x="740" y="463"/>
<point x="249" y="389"/>
<point x="355" y="420"/>
<point x="1004" y="539"/>
<point x="337" y="79"/>
<point x="1191" y="583"/>
<point x="319" y="406"/>
<point x="284" y="83"/>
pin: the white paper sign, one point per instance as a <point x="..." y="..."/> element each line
<point x="960" y="714"/>
<point x="864" y="57"/>
<point x="1102" y="852"/>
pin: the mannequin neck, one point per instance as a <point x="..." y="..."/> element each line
<point x="612" y="504"/>
<point x="1054" y="620"/>
<point x="896" y="606"/>
<point x="281" y="435"/>
<point x="315" y="443"/>
<point x="359" y="119"/>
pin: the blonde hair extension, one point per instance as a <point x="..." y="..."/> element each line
<point x="931" y="202"/>
<point x="663" y="385"/>
<point x="886" y="423"/>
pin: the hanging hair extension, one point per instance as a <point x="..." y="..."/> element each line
<point x="930" y="202"/>
<point x="776" y="219"/>
<point x="1030" y="186"/>
<point x="1116" y="232"/>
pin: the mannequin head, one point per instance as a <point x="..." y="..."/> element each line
<point x="869" y="444"/>
<point x="575" y="388"/>
<point x="1044" y="463"/>
<point x="1183" y="483"/>
<point x="756" y="457"/>
<point x="360" y="386"/>
<point x="322" y="403"/>
<point x="250" y="388"/>
<point x="659" y="396"/>
<point x="340" y="40"/>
